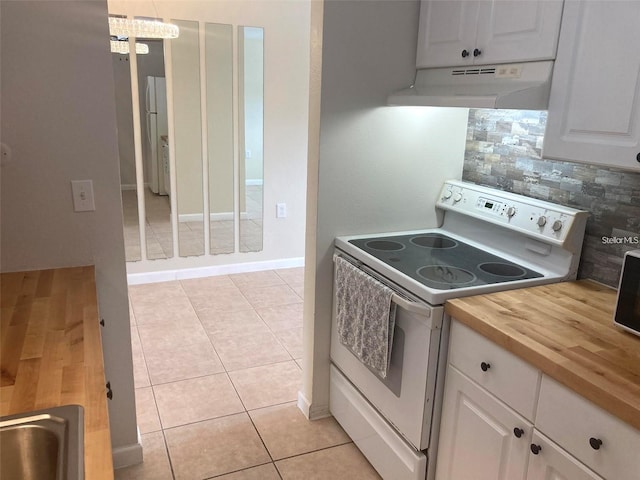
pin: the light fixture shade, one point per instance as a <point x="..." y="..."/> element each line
<point x="141" y="28"/>
<point x="122" y="47"/>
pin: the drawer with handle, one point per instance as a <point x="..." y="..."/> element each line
<point x="601" y="441"/>
<point x="508" y="377"/>
<point x="549" y="461"/>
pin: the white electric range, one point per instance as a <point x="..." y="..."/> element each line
<point x="489" y="240"/>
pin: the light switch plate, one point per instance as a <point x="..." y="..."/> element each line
<point x="82" y="191"/>
<point x="281" y="210"/>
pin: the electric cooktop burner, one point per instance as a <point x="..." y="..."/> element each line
<point x="385" y="245"/>
<point x="442" y="263"/>
<point x="433" y="240"/>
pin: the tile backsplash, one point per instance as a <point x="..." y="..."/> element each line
<point x="504" y="151"/>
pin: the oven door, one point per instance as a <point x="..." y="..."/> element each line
<point x="405" y="397"/>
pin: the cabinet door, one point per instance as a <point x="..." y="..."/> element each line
<point x="477" y="439"/>
<point x="517" y="30"/>
<point x="447" y="28"/>
<point x="594" y="111"/>
<point x="553" y="463"/>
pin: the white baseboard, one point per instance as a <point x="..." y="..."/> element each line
<point x="190" y="217"/>
<point x="213" y="270"/>
<point x="303" y="404"/>
<point x="250" y="182"/>
<point x="214" y="217"/>
<point x="131" y="186"/>
<point x="199" y="217"/>
<point x="127" y="455"/>
<point x="310" y="411"/>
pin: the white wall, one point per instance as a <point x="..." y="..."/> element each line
<point x="286" y="63"/>
<point x="58" y="116"/>
<point x="379" y="168"/>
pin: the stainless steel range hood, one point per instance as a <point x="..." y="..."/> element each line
<point x="522" y="86"/>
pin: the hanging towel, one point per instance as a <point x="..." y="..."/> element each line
<point x="365" y="316"/>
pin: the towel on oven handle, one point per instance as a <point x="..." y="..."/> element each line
<point x="365" y="316"/>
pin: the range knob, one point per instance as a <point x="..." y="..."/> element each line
<point x="557" y="226"/>
<point x="511" y="211"/>
<point x="542" y="221"/>
<point x="447" y="194"/>
<point x="457" y="197"/>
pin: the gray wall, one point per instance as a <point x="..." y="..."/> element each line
<point x="375" y="162"/>
<point x="504" y="150"/>
<point x="58" y="116"/>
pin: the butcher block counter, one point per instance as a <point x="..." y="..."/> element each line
<point x="52" y="353"/>
<point x="566" y="331"/>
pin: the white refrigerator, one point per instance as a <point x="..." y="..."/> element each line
<point x="157" y="131"/>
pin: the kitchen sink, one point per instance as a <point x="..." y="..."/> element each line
<point x="44" y="444"/>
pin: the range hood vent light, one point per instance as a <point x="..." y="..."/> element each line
<point x="522" y="86"/>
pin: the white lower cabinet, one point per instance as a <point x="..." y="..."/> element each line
<point x="596" y="438"/>
<point x="480" y="438"/>
<point x="483" y="437"/>
<point x="552" y="463"/>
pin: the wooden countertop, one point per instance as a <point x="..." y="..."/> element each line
<point x="52" y="353"/>
<point x="566" y="331"/>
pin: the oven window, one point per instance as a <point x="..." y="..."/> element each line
<point x="393" y="381"/>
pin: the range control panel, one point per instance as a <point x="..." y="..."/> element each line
<point x="536" y="217"/>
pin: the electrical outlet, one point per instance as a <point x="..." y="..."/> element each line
<point x="281" y="210"/>
<point x="82" y="191"/>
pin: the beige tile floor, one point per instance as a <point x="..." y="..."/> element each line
<point x="217" y="370"/>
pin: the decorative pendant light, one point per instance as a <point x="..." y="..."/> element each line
<point x="122" y="47"/>
<point x="141" y="28"/>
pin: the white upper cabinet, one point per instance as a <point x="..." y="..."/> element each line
<point x="517" y="31"/>
<point x="447" y="33"/>
<point x="457" y="33"/>
<point x="594" y="115"/>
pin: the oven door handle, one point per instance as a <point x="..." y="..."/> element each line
<point x="410" y="306"/>
<point x="413" y="307"/>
